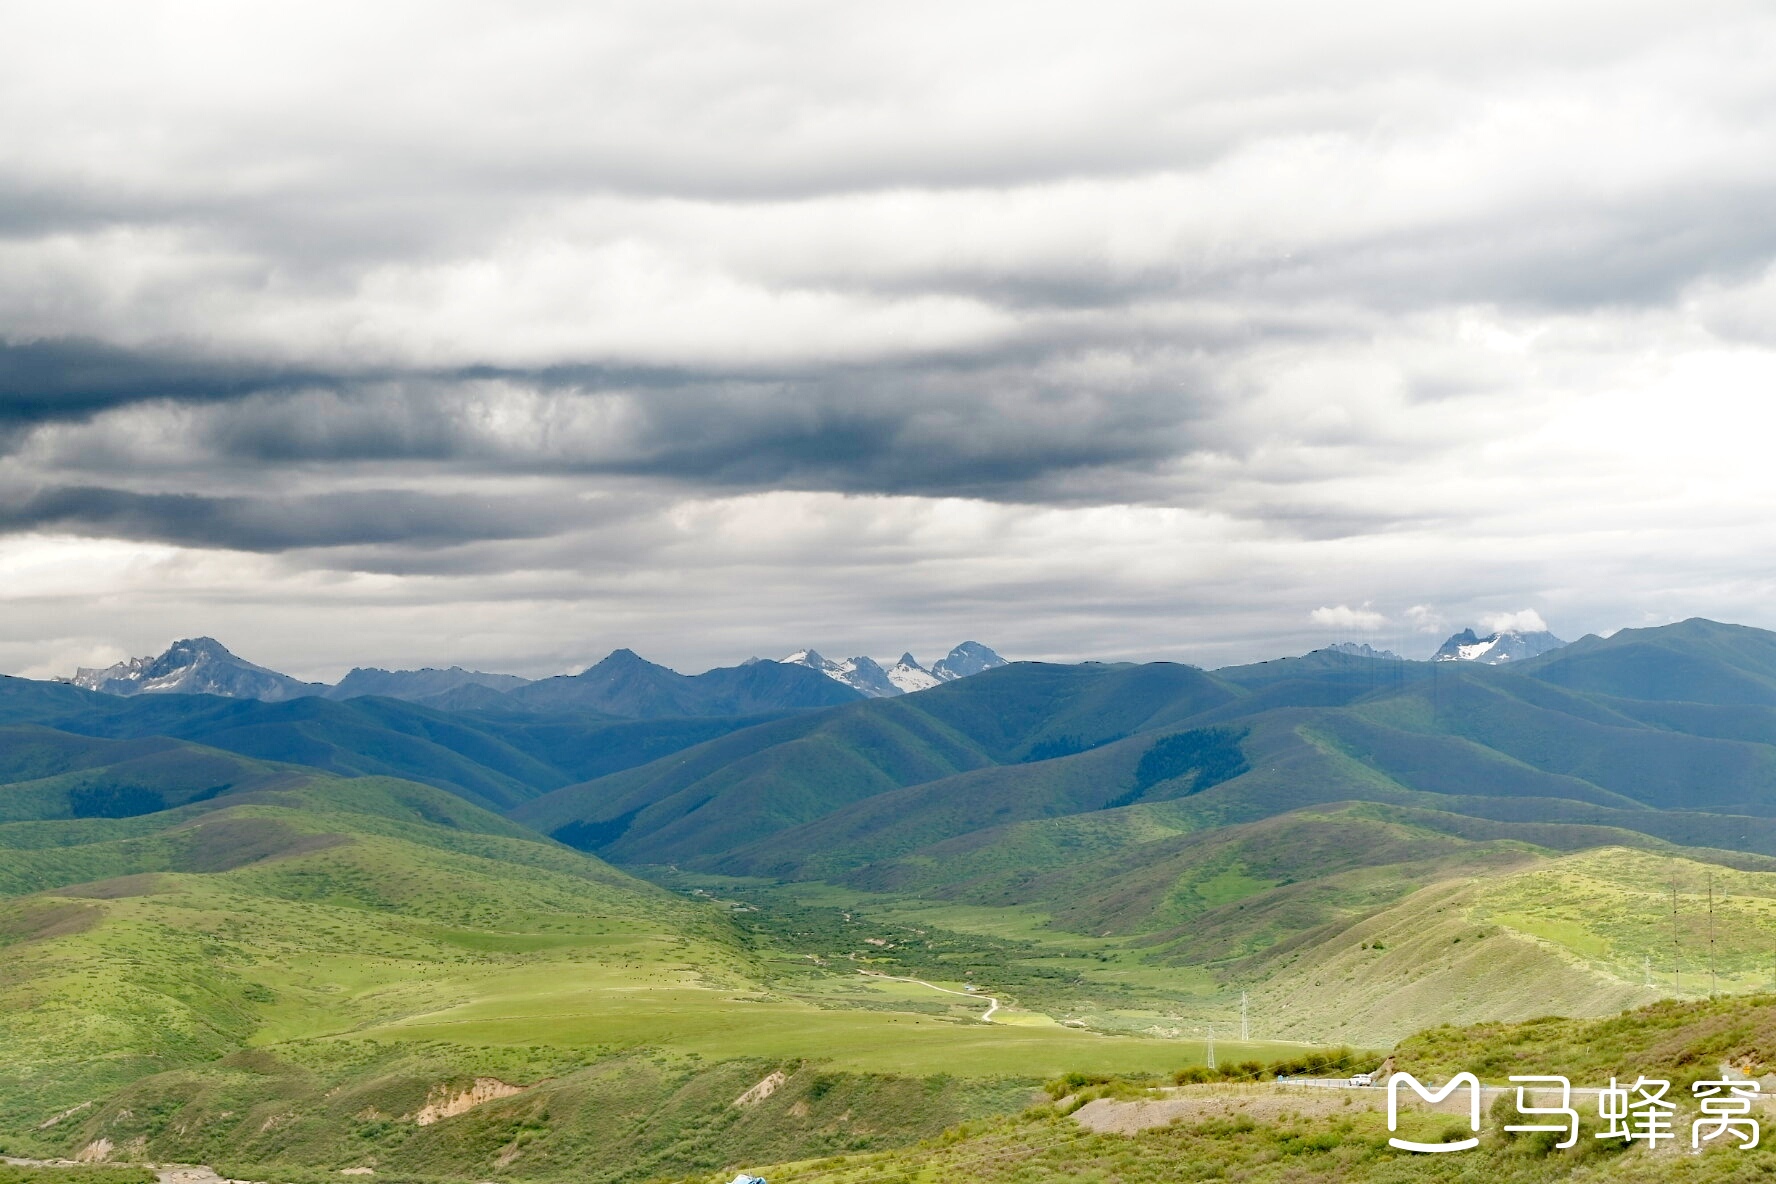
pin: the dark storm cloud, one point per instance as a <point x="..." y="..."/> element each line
<point x="983" y="427"/>
<point x="73" y="378"/>
<point x="269" y="524"/>
<point x="801" y="312"/>
<point x="888" y="431"/>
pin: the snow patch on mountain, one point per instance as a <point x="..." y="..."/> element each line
<point x="1496" y="649"/>
<point x="204" y="666"/>
<point x="905" y="676"/>
<point x="195" y="666"/>
<point x="908" y="676"/>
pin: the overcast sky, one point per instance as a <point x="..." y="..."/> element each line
<point x="508" y="334"/>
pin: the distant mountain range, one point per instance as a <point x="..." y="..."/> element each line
<point x="623" y="685"/>
<point x="1663" y="733"/>
<point x="1249" y="822"/>
<point x="628" y="686"/>
<point x="866" y="675"/>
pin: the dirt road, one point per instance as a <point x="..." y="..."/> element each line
<point x="986" y="1016"/>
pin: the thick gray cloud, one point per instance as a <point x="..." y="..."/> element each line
<point x="398" y="518"/>
<point x="46" y="380"/>
<point x="1120" y="329"/>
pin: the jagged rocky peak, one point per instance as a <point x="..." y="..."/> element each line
<point x="971" y="657"/>
<point x="905" y="676"/>
<point x="1495" y="649"/>
<point x="861" y="674"/>
<point x="195" y="666"/>
<point x="908" y="676"/>
<point x="1362" y="649"/>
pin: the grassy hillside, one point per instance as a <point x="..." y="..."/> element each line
<point x="1270" y="1133"/>
<point x="719" y="796"/>
<point x="1694" y="661"/>
<point x="283" y="977"/>
<point x="214" y="956"/>
<point x="1352" y="922"/>
<point x="495" y="758"/>
<point x="848" y="802"/>
<point x="1261" y="828"/>
<point x="627" y="685"/>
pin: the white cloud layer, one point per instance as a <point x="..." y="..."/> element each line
<point x="459" y="331"/>
<point x="1344" y="618"/>
<point x="1523" y="621"/>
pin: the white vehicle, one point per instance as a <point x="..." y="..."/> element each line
<point x="1362" y="1079"/>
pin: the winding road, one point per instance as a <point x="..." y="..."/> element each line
<point x="986" y="1016"/>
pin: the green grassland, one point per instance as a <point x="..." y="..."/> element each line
<point x="1275" y="1135"/>
<point x="85" y="1174"/>
<point x="210" y="953"/>
<point x="496" y="759"/>
<point x="1345" y="924"/>
<point x="974" y="785"/>
<point x="282" y="980"/>
<point x="1043" y="1146"/>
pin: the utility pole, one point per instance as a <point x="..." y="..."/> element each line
<point x="1676" y="946"/>
<point x="1211" y="1046"/>
<point x="1245" y="1030"/>
<point x="1713" y="986"/>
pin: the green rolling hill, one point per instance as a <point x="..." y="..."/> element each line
<point x="830" y="793"/>
<point x="272" y="936"/>
<point x="716" y="796"/>
<point x="294" y="973"/>
<point x="496" y="758"/>
<point x="1215" y="820"/>
<point x="1256" y="1126"/>
<point x="627" y="685"/>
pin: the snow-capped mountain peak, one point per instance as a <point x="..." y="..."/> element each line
<point x="194" y="666"/>
<point x="971" y="657"/>
<point x="1495" y="649"/>
<point x="905" y="676"/>
<point x="909" y="676"/>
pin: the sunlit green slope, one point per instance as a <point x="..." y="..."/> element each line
<point x="286" y="977"/>
<point x="1268" y="1132"/>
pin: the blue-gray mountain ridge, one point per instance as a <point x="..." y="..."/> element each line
<point x="624" y="684"/>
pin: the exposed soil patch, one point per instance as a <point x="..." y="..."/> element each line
<point x="441" y="1103"/>
<point x="97" y="1151"/>
<point x="117" y="888"/>
<point x="66" y="1114"/>
<point x="223" y="844"/>
<point x="39" y="921"/>
<point x="762" y="1090"/>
